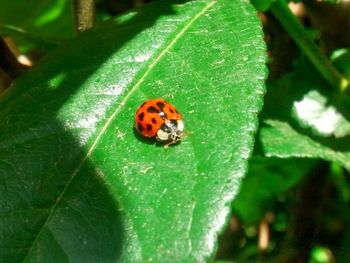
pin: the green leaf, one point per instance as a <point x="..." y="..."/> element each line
<point x="334" y="2"/>
<point x="281" y="140"/>
<point x="262" y="5"/>
<point x="339" y="178"/>
<point x="265" y="180"/>
<point x="43" y="18"/>
<point x="341" y="59"/>
<point x="40" y="23"/>
<point x="302" y="118"/>
<point x="313" y="111"/>
<point x="321" y="255"/>
<point x="78" y="184"/>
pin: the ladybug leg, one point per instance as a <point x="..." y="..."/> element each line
<point x="185" y="134"/>
<point x="167" y="144"/>
<point x="170" y="143"/>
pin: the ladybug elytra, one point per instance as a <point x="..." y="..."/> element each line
<point x="157" y="118"/>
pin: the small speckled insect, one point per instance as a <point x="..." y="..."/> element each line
<point x="157" y="118"/>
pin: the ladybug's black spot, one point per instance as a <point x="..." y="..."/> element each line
<point x="152" y="109"/>
<point x="154" y="121"/>
<point x="139" y="126"/>
<point x="160" y="105"/>
<point x="141" y="116"/>
<point x="171" y="110"/>
<point x="149" y="127"/>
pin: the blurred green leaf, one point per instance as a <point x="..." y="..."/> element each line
<point x="341" y="59"/>
<point x="314" y="111"/>
<point x="340" y="181"/>
<point x="332" y="1"/>
<point x="281" y="140"/>
<point x="266" y="178"/>
<point x="44" y="18"/>
<point x="302" y="118"/>
<point x="321" y="255"/>
<point x="33" y="23"/>
<point x="262" y="5"/>
<point x="78" y="184"/>
<point x="303" y="98"/>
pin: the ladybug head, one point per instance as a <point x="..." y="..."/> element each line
<point x="171" y="131"/>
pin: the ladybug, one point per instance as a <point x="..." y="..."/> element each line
<point x="157" y="118"/>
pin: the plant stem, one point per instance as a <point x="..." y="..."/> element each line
<point x="8" y="62"/>
<point x="84" y="14"/>
<point x="308" y="207"/>
<point x="297" y="32"/>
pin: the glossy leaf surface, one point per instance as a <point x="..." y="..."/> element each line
<point x="79" y="185"/>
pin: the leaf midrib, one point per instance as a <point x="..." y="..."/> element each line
<point x="115" y="113"/>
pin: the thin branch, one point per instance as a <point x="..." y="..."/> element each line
<point x="84" y="14"/>
<point x="297" y="32"/>
<point x="307" y="210"/>
<point x="8" y="62"/>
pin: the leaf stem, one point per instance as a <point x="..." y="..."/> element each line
<point x="8" y="61"/>
<point x="297" y="32"/>
<point x="84" y="14"/>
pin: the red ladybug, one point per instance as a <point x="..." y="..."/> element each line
<point x="157" y="118"/>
